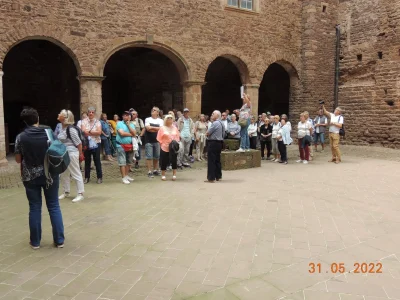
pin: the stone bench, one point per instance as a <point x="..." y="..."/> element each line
<point x="232" y="160"/>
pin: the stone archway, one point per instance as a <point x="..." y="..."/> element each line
<point x="225" y="75"/>
<point x="140" y="76"/>
<point x="278" y="89"/>
<point x="40" y="73"/>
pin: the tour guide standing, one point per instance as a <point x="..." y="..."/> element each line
<point x="215" y="140"/>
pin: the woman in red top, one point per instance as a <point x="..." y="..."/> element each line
<point x="165" y="136"/>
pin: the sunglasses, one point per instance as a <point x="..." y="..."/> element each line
<point x="155" y="110"/>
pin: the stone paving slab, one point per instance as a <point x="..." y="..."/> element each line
<point x="251" y="236"/>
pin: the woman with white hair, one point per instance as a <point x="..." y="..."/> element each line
<point x="200" y="130"/>
<point x="168" y="136"/>
<point x="69" y="135"/>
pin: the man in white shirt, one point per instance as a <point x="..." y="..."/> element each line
<point x="336" y="123"/>
<point x="152" y="147"/>
<point x="224" y="121"/>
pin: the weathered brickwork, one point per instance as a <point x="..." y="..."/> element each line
<point x="299" y="35"/>
<point x="370" y="85"/>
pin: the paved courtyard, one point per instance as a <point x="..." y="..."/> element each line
<point x="251" y="236"/>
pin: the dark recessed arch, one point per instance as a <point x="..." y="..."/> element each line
<point x="222" y="89"/>
<point x="41" y="74"/>
<point x="140" y="78"/>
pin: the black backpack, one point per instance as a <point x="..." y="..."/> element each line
<point x="82" y="137"/>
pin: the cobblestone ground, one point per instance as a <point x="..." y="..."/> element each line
<point x="251" y="236"/>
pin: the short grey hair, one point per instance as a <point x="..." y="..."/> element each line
<point x="91" y="108"/>
<point x="217" y="113"/>
<point x="339" y="109"/>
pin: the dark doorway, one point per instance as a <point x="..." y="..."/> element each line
<point x="39" y="74"/>
<point x="141" y="78"/>
<point x="274" y="91"/>
<point x="222" y="88"/>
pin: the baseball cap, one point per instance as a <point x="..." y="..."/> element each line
<point x="186" y="110"/>
<point x="126" y="113"/>
<point x="268" y="113"/>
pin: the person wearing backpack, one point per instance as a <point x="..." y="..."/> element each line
<point x="336" y="126"/>
<point x="91" y="128"/>
<point x="71" y="137"/>
<point x="30" y="151"/>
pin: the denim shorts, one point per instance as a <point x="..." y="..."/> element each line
<point x="320" y="136"/>
<point x="124" y="158"/>
<point x="152" y="151"/>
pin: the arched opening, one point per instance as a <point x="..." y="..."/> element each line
<point x="222" y="88"/>
<point x="274" y="94"/>
<point x="38" y="74"/>
<point x="140" y="78"/>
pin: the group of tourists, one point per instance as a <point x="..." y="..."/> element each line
<point x="168" y="144"/>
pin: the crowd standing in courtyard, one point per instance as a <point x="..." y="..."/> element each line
<point x="168" y="143"/>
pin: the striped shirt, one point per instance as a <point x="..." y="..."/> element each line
<point x="69" y="143"/>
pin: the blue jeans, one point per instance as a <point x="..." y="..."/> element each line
<point x="33" y="190"/>
<point x="244" y="137"/>
<point x="106" y="144"/>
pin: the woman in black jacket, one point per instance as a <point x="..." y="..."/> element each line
<point x="265" y="139"/>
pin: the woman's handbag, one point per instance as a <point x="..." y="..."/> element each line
<point x="243" y="122"/>
<point x="92" y="143"/>
<point x="127" y="147"/>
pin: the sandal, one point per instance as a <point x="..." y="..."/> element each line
<point x="332" y="160"/>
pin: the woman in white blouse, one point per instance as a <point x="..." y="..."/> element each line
<point x="304" y="132"/>
<point x="252" y="131"/>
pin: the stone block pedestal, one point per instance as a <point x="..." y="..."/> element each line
<point x="240" y="160"/>
<point x="231" y="144"/>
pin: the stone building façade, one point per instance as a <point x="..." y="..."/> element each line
<point x="123" y="53"/>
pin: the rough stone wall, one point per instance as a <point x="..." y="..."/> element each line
<point x="198" y="30"/>
<point x="370" y="85"/>
<point x="318" y="57"/>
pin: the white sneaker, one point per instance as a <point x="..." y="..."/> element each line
<point x="240" y="150"/>
<point x="63" y="196"/>
<point x="299" y="161"/>
<point x="125" y="181"/>
<point x="78" y="198"/>
<point x="247" y="150"/>
<point x="305" y="162"/>
<point x="129" y="178"/>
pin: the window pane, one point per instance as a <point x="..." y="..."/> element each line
<point x="247" y="4"/>
<point x="233" y="2"/>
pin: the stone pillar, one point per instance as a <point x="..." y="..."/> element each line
<point x="3" y="160"/>
<point x="91" y="93"/>
<point x="192" y="97"/>
<point x="252" y="90"/>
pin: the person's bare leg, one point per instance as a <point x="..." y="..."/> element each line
<point x="127" y="169"/>
<point x="122" y="169"/>
<point x="149" y="165"/>
<point x="155" y="164"/>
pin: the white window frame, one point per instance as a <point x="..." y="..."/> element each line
<point x="255" y="5"/>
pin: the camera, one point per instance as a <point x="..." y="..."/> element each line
<point x="321" y="102"/>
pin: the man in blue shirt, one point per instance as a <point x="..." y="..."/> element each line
<point x="125" y="132"/>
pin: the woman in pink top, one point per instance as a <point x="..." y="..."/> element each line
<point x="165" y="136"/>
